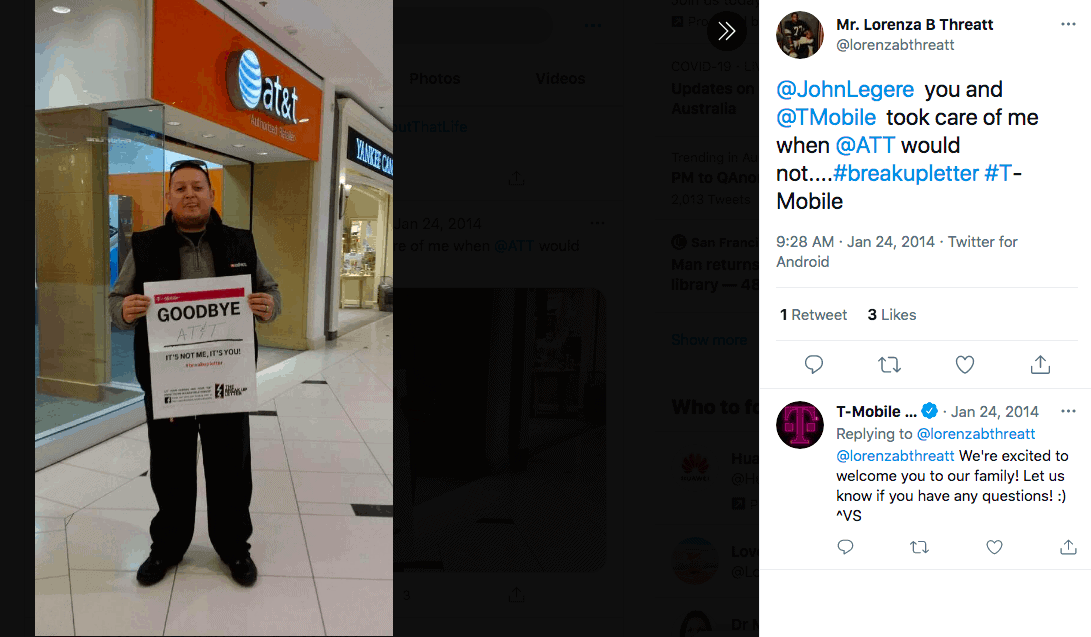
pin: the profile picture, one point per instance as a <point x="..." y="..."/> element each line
<point x="799" y="424"/>
<point x="799" y="34"/>
<point x="695" y="560"/>
<point x="695" y="622"/>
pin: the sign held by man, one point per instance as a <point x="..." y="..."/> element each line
<point x="201" y="346"/>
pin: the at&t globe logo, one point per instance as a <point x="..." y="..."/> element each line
<point x="249" y="79"/>
<point x="248" y="90"/>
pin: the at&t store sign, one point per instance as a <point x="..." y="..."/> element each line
<point x="250" y="91"/>
<point x="368" y="154"/>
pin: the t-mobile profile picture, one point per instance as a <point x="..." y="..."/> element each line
<point x="799" y="424"/>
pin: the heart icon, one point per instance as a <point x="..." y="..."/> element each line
<point x="965" y="364"/>
<point x="994" y="546"/>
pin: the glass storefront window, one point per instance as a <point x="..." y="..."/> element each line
<point x="87" y="204"/>
<point x="136" y="189"/>
<point x="100" y="176"/>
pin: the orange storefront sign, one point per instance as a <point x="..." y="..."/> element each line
<point x="194" y="69"/>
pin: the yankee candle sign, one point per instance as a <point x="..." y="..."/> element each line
<point x="370" y="155"/>
<point x="201" y="346"/>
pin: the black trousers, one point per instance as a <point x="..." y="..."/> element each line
<point x="225" y="446"/>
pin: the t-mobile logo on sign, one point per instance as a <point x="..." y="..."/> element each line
<point x="799" y="425"/>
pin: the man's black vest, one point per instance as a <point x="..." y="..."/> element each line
<point x="155" y="255"/>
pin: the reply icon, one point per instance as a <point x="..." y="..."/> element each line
<point x="844" y="546"/>
<point x="813" y="363"/>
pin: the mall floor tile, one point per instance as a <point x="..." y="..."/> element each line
<point x="321" y="464"/>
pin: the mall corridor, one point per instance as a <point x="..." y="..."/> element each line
<point x="322" y="507"/>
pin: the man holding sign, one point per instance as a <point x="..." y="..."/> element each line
<point x="184" y="351"/>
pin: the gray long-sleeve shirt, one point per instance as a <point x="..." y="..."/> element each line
<point x="196" y="264"/>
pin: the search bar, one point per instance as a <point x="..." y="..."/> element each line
<point x="473" y="25"/>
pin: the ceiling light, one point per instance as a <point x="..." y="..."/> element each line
<point x="263" y="153"/>
<point x="238" y="145"/>
<point x="61" y="9"/>
<point x="207" y="135"/>
<point x="173" y="123"/>
<point x="306" y="119"/>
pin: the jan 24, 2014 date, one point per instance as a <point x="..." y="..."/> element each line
<point x="819" y="241"/>
<point x="989" y="411"/>
<point x="440" y="223"/>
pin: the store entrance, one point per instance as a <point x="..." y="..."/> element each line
<point x="363" y="256"/>
<point x="83" y="363"/>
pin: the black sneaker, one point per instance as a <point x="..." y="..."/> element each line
<point x="153" y="569"/>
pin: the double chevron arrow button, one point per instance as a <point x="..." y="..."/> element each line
<point x="726" y="30"/>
